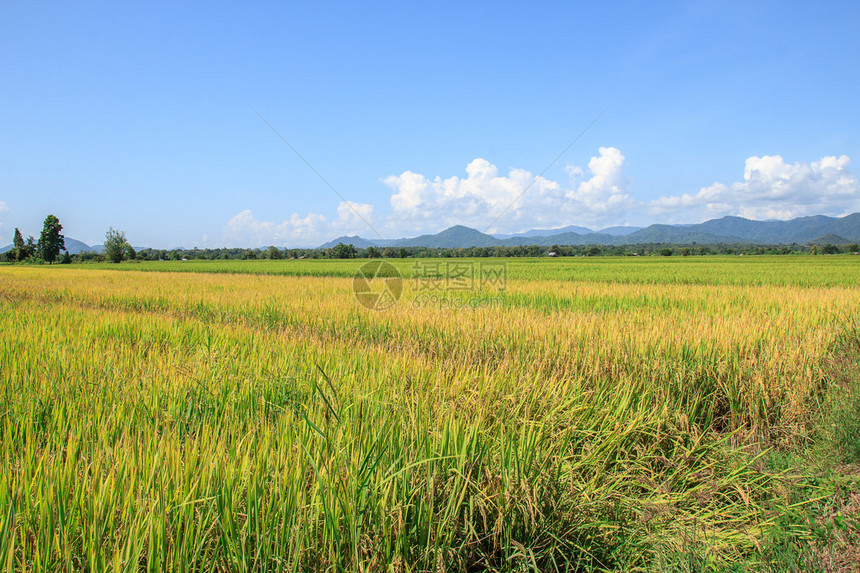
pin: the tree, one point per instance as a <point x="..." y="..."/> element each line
<point x="373" y="253"/>
<point x="16" y="253"/>
<point x="273" y="253"/>
<point x="27" y="250"/>
<point x="129" y="252"/>
<point x="341" y="251"/>
<point x="18" y="240"/>
<point x="665" y="252"/>
<point x="115" y="245"/>
<point x="51" y="241"/>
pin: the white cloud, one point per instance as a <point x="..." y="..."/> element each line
<point x="601" y="196"/>
<point x="352" y="216"/>
<point x="421" y="204"/>
<point x="471" y="200"/>
<point x="597" y="196"/>
<point x="606" y="194"/>
<point x="771" y="189"/>
<point x="3" y="209"/>
<point x="519" y="200"/>
<point x="245" y="230"/>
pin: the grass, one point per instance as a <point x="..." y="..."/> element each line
<point x="646" y="417"/>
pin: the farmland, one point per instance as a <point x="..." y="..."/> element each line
<point x="791" y="270"/>
<point x="599" y="414"/>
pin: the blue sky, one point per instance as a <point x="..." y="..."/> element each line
<point x="144" y="117"/>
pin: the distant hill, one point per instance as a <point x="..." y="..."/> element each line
<point x="672" y="234"/>
<point x="76" y="247"/>
<point x="619" y="231"/>
<point x="453" y="238"/>
<point x="831" y="239"/>
<point x="568" y="238"/>
<point x="72" y="245"/>
<point x="726" y="230"/>
<point x="739" y="230"/>
<point x="358" y="242"/>
<point x="801" y="230"/>
<point x="546" y="232"/>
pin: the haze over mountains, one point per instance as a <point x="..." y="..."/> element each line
<point x="726" y="230"/>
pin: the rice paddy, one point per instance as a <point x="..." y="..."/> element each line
<point x="599" y="415"/>
<point x="784" y="270"/>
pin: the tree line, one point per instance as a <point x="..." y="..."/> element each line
<point x="341" y="251"/>
<point x="344" y="251"/>
<point x="46" y="250"/>
<point x="51" y="244"/>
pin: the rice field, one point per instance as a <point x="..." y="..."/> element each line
<point x="781" y="270"/>
<point x="598" y="415"/>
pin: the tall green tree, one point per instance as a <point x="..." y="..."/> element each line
<point x="273" y="252"/>
<point x="51" y="241"/>
<point x="17" y="250"/>
<point x="115" y="244"/>
<point x="21" y="249"/>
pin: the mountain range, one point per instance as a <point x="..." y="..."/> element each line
<point x="726" y="230"/>
<point x="570" y="229"/>
<point x="818" y="229"/>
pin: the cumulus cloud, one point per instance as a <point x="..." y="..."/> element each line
<point x="606" y="193"/>
<point x="421" y="204"/>
<point x="771" y="189"/>
<point x="3" y="209"/>
<point x="601" y="195"/>
<point x="596" y="196"/>
<point x="246" y="230"/>
<point x="353" y="216"/>
<point x="425" y="204"/>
